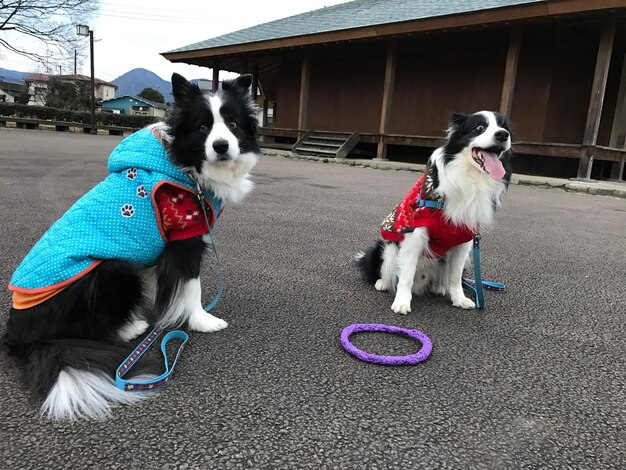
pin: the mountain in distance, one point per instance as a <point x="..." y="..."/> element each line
<point x="135" y="80"/>
<point x="12" y="76"/>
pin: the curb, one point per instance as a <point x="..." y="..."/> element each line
<point x="570" y="186"/>
<point x="524" y="180"/>
<point x="413" y="168"/>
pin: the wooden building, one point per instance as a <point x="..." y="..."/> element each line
<point x="390" y="72"/>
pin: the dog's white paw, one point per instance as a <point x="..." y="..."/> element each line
<point x="205" y="322"/>
<point x="133" y="329"/>
<point x="381" y="286"/>
<point x="463" y="302"/>
<point x="401" y="304"/>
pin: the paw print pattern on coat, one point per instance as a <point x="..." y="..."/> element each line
<point x="141" y="191"/>
<point x="127" y="210"/>
<point x="131" y="173"/>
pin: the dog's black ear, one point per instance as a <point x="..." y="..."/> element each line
<point x="241" y="84"/>
<point x="182" y="89"/>
<point x="458" y="119"/>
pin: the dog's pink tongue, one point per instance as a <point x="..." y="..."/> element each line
<point x="493" y="165"/>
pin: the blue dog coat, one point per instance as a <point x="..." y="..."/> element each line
<point x="117" y="219"/>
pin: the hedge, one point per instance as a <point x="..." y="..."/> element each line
<point x="82" y="117"/>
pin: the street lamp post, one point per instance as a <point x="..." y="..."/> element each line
<point x="83" y="30"/>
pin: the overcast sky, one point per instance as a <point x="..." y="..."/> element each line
<point x="131" y="34"/>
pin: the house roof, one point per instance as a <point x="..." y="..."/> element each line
<point x="376" y="18"/>
<point x="137" y="98"/>
<point x="11" y="87"/>
<point x="355" y="14"/>
<point x="44" y="77"/>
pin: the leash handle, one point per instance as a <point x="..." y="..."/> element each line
<point x="131" y="360"/>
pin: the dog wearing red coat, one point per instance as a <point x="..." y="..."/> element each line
<point x="426" y="240"/>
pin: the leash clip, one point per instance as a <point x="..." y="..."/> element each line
<point x="476" y="240"/>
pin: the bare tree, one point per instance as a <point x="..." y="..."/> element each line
<point x="50" y="23"/>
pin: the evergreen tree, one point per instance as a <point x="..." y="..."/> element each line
<point x="151" y="94"/>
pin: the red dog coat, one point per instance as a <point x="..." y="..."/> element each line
<point x="408" y="215"/>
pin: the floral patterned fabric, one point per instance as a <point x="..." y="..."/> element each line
<point x="407" y="216"/>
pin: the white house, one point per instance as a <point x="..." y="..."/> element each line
<point x="37" y="84"/>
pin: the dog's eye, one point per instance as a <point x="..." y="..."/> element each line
<point x="232" y="125"/>
<point x="480" y="128"/>
<point x="203" y="129"/>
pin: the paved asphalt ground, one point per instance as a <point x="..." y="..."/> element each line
<point x="536" y="380"/>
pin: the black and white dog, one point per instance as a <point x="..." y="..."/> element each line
<point x="70" y="344"/>
<point x="427" y="238"/>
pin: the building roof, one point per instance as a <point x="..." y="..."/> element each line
<point x="44" y="77"/>
<point x="355" y="14"/>
<point x="137" y="98"/>
<point x="11" y="87"/>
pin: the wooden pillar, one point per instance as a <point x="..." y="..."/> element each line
<point x="603" y="61"/>
<point x="385" y="112"/>
<point x="264" y="119"/>
<point x="617" y="169"/>
<point x="274" y="112"/>
<point x="255" y="83"/>
<point x="304" y="95"/>
<point x="510" y="71"/>
<point x="216" y="76"/>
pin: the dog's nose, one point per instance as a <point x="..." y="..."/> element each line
<point x="220" y="146"/>
<point x="501" y="135"/>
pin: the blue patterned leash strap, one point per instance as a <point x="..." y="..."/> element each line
<point x="131" y="360"/>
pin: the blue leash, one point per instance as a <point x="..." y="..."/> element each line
<point x="475" y="286"/>
<point x="131" y="360"/>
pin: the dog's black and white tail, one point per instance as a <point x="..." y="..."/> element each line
<point x="370" y="261"/>
<point x="74" y="377"/>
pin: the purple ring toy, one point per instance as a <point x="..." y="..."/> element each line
<point x="411" y="359"/>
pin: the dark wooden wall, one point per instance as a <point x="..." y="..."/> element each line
<point x="288" y="95"/>
<point x="554" y="79"/>
<point x="346" y="94"/>
<point x="532" y="90"/>
<point x="573" y="57"/>
<point x="436" y="77"/>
